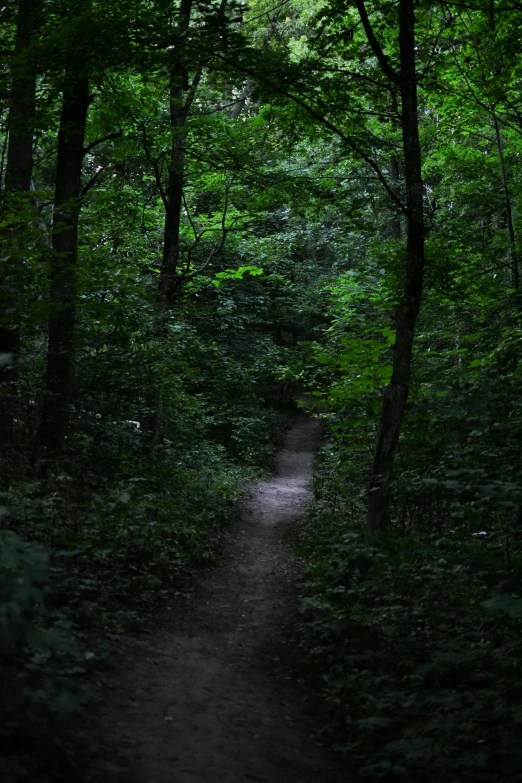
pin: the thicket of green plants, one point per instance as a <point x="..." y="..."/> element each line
<point x="414" y="639"/>
<point x="205" y="207"/>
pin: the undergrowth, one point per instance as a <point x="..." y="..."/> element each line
<point x="415" y="645"/>
<point x="83" y="558"/>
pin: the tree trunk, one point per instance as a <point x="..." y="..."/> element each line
<point x="62" y="318"/>
<point x="396" y="393"/>
<point x="18" y="180"/>
<point x="179" y="109"/>
<point x="174" y="199"/>
<point x="22" y="104"/>
<point x="509" y="210"/>
<point x="180" y="99"/>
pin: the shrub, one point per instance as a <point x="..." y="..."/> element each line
<point x="38" y="661"/>
<point x="416" y="647"/>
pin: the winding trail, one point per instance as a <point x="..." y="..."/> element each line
<point x="211" y="696"/>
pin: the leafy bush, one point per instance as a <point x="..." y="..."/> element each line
<point x="99" y="563"/>
<point x="419" y="661"/>
<point x="38" y="661"/>
<point x="129" y="544"/>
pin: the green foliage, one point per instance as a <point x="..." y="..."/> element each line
<point x="24" y="572"/>
<point x="129" y="544"/>
<point x="39" y="666"/>
<point x="235" y="274"/>
<point x="416" y="647"/>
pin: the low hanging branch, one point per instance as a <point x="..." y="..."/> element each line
<point x="187" y="274"/>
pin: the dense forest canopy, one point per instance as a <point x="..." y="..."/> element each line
<point x="206" y="208"/>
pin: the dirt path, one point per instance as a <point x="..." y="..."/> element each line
<point x="210" y="697"/>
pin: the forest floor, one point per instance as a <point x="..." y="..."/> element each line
<point x="209" y="691"/>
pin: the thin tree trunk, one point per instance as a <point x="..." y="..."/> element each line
<point x="18" y="180"/>
<point x="395" y="179"/>
<point x="180" y="99"/>
<point x="174" y="190"/>
<point x="515" y="280"/>
<point x="509" y="210"/>
<point x="62" y="318"/>
<point x="396" y="393"/>
<point x="22" y="104"/>
<point x="247" y="87"/>
<point x="240" y="105"/>
<point x="491" y="14"/>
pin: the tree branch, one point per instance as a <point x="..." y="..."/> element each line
<point x="219" y="108"/>
<point x="108" y="137"/>
<point x="188" y="214"/>
<point x="155" y="167"/>
<point x="92" y="182"/>
<point x="157" y="177"/>
<point x="388" y="71"/>
<point x="268" y="12"/>
<point x="216" y="250"/>
<point x="193" y="87"/>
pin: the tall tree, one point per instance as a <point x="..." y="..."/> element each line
<point x="180" y="101"/>
<point x="22" y="101"/>
<point x="396" y="393"/>
<point x="18" y="182"/>
<point x="328" y="105"/>
<point x="185" y="64"/>
<point x="63" y="258"/>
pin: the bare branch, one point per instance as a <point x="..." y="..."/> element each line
<point x="157" y="176"/>
<point x="154" y="162"/>
<point x="388" y="71"/>
<point x="220" y="108"/>
<point x="268" y="12"/>
<point x="188" y="214"/>
<point x="190" y="250"/>
<point x="193" y="87"/>
<point x="443" y="28"/>
<point x="224" y="232"/>
<point x="108" y="137"/>
<point x="92" y="182"/>
<point x="316" y="68"/>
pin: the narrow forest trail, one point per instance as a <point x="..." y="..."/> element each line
<point x="207" y="697"/>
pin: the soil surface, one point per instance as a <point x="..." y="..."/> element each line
<point x="210" y="695"/>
